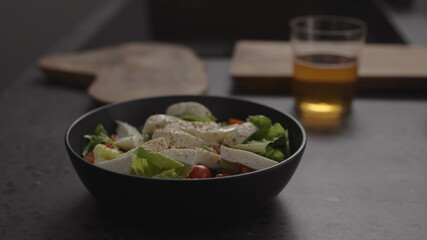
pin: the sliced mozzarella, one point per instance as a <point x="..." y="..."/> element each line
<point x="128" y="143"/>
<point x="209" y="159"/>
<point x="188" y="108"/>
<point x="246" y="158"/>
<point x="210" y="132"/>
<point x="240" y="134"/>
<point x="177" y="138"/>
<point x="193" y="156"/>
<point x="122" y="163"/>
<point x="156" y="144"/>
<point x="158" y="121"/>
<point x="187" y="155"/>
<point x="119" y="165"/>
<point x="126" y="130"/>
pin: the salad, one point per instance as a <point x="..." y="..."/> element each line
<point x="189" y="142"/>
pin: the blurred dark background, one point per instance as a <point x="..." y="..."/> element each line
<point x="30" y="29"/>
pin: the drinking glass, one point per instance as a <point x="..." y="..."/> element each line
<point x="326" y="52"/>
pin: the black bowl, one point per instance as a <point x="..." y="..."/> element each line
<point x="201" y="199"/>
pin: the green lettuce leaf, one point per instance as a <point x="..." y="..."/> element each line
<point x="276" y="131"/>
<point x="272" y="149"/>
<point x="152" y="164"/>
<point x="262" y="123"/>
<point x="258" y="147"/>
<point x="209" y="149"/>
<point x="141" y="167"/>
<point x="275" y="154"/>
<point x="105" y="153"/>
<point x="101" y="136"/>
<point x="157" y="159"/>
<point x="271" y="142"/>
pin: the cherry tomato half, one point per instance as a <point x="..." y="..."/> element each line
<point x="244" y="169"/>
<point x="109" y="145"/>
<point x="90" y="157"/>
<point x="223" y="174"/>
<point x="113" y="137"/>
<point x="235" y="121"/>
<point x="200" y="171"/>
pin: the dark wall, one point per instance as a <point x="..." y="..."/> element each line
<point x="29" y="28"/>
<point x="203" y="21"/>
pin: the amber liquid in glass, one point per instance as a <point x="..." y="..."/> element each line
<point x="324" y="83"/>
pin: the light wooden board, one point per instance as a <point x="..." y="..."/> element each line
<point x="129" y="71"/>
<point x="268" y="65"/>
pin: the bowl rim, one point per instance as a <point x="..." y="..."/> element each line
<point x="101" y="108"/>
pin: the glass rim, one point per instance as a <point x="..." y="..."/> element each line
<point x="360" y="25"/>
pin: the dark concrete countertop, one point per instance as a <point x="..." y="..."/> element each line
<point x="366" y="181"/>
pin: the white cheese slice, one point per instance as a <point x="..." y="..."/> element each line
<point x="156" y="145"/>
<point x="119" y="165"/>
<point x="246" y="158"/>
<point x="128" y="143"/>
<point x="177" y="138"/>
<point x="187" y="155"/>
<point x="193" y="156"/>
<point x="188" y="108"/>
<point x="239" y="134"/>
<point x="210" y="132"/>
<point x="209" y="159"/>
<point x="158" y="121"/>
<point x="122" y="163"/>
<point x="127" y="130"/>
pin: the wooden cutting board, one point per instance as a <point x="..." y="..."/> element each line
<point x="129" y="71"/>
<point x="267" y="65"/>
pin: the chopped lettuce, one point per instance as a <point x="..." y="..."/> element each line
<point x="262" y="123"/>
<point x="276" y="131"/>
<point x="141" y="167"/>
<point x="258" y="147"/>
<point x="269" y="149"/>
<point x="102" y="152"/>
<point x="270" y="140"/>
<point x="194" y="118"/>
<point x="158" y="159"/>
<point x="152" y="164"/>
<point x="209" y="149"/>
<point x="100" y="136"/>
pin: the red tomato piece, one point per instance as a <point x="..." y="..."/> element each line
<point x="200" y="171"/>
<point x="113" y="137"/>
<point x="244" y="169"/>
<point x="223" y="174"/>
<point x="109" y="145"/>
<point x="90" y="157"/>
<point x="235" y="121"/>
